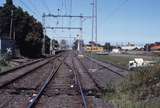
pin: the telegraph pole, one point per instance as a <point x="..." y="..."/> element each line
<point x="78" y="43"/>
<point x="10" y="32"/>
<point x="44" y="38"/>
<point x="96" y="21"/>
<point x="93" y="20"/>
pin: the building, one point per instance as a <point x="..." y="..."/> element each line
<point x="153" y="47"/>
<point x="89" y="48"/>
<point x="129" y="47"/>
<point x="115" y="50"/>
<point x="93" y="47"/>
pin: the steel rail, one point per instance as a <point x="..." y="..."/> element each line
<point x="120" y="67"/>
<point x="79" y="85"/>
<point x="21" y="66"/>
<point x="24" y="65"/>
<point x="86" y="70"/>
<point x="26" y="73"/>
<point x="93" y="60"/>
<point x="50" y="77"/>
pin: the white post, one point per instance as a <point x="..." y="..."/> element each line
<point x="78" y="48"/>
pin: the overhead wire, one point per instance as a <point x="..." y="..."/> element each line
<point x="70" y="13"/>
<point x="117" y="8"/>
<point x="45" y="5"/>
<point x="65" y="7"/>
<point x="62" y="14"/>
<point x="27" y="7"/>
<point x="34" y="6"/>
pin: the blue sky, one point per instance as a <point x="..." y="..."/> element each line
<point x="135" y="21"/>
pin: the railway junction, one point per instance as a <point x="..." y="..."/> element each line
<point x="61" y="81"/>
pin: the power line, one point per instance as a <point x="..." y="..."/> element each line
<point x="35" y="8"/>
<point x="70" y="7"/>
<point x="117" y="8"/>
<point x="24" y="4"/>
<point x="45" y="5"/>
<point x="65" y="7"/>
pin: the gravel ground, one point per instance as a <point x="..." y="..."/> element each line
<point x="87" y="82"/>
<point x="32" y="80"/>
<point x="13" y="101"/>
<point x="59" y="93"/>
<point x="60" y="101"/>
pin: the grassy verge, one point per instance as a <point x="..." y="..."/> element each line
<point x="4" y="65"/>
<point x="117" y="60"/>
<point x="4" y="68"/>
<point x="139" y="90"/>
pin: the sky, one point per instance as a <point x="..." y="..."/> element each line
<point x="135" y="21"/>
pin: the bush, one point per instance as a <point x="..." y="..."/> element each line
<point x="138" y="89"/>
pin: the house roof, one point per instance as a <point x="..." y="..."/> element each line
<point x="155" y="47"/>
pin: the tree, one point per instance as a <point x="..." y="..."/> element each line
<point x="55" y="44"/>
<point x="63" y="44"/>
<point x="28" y="31"/>
<point x="75" y="44"/>
<point x="107" y="46"/>
<point x="9" y="2"/>
<point x="47" y="45"/>
<point x="32" y="45"/>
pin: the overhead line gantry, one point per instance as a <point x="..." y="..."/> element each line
<point x="81" y="17"/>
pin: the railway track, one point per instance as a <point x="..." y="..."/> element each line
<point x="78" y="83"/>
<point x="24" y="65"/>
<point x="36" y="97"/>
<point x="61" y="82"/>
<point x="16" y="89"/>
<point x="67" y="87"/>
<point x="103" y="74"/>
<point x="89" y="74"/>
<point x="122" y="72"/>
<point x="19" y="72"/>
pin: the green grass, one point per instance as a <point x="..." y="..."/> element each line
<point x="4" y="65"/>
<point x="124" y="101"/>
<point x="117" y="60"/>
<point x="139" y="90"/>
<point x="4" y="68"/>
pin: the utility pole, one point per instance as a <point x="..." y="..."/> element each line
<point x="44" y="38"/>
<point x="10" y="32"/>
<point x="81" y="30"/>
<point x="93" y="20"/>
<point x="78" y="43"/>
<point x="96" y="20"/>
